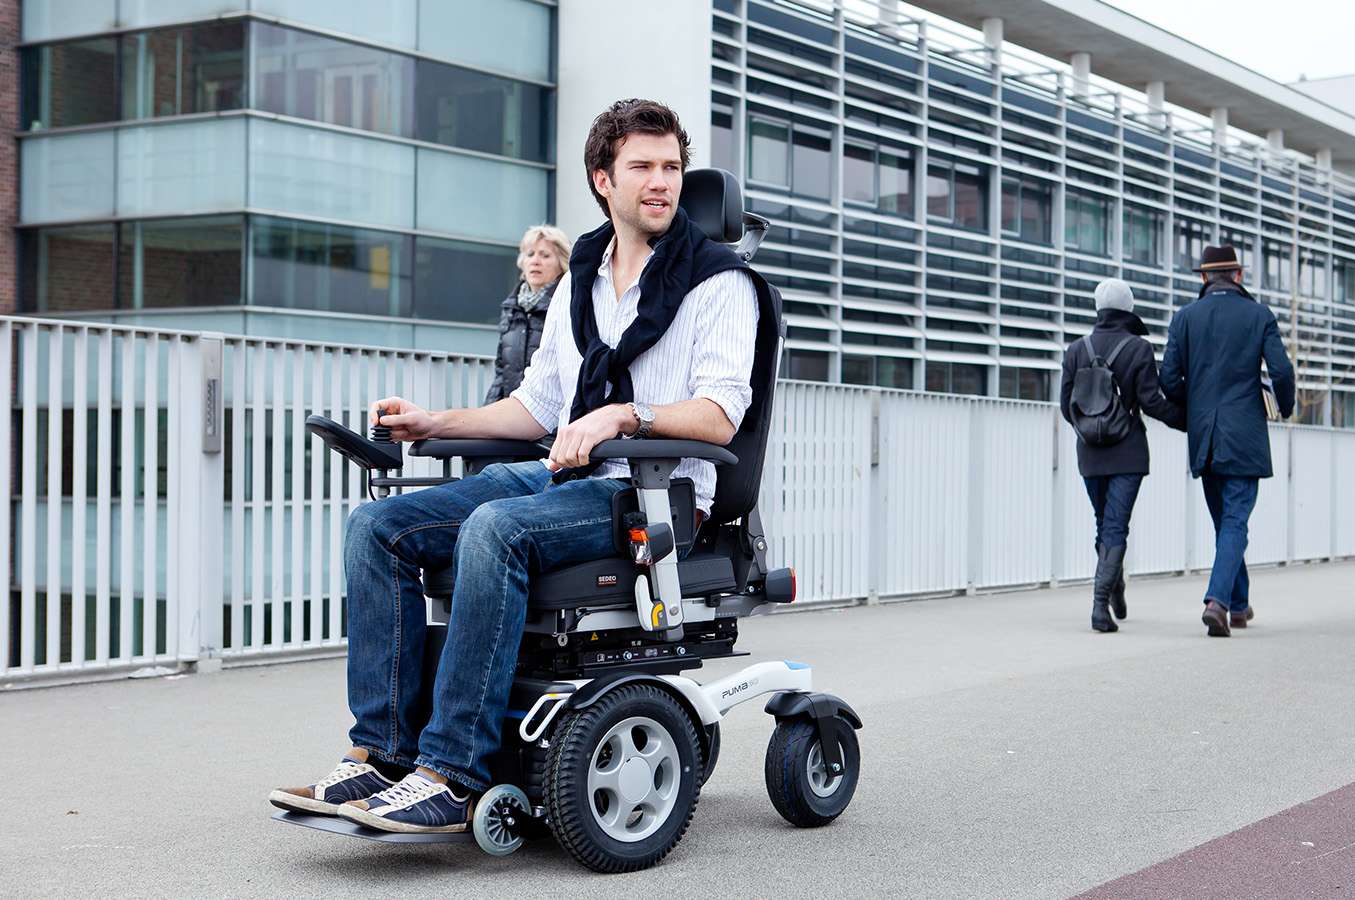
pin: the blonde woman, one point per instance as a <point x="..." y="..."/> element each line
<point x="543" y="257"/>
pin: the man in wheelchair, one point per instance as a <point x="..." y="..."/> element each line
<point x="544" y="685"/>
<point x="652" y="335"/>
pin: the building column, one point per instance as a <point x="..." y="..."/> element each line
<point x="1275" y="140"/>
<point x="1220" y="117"/>
<point x="1157" y="102"/>
<point x="1082" y="73"/>
<point x="992" y="39"/>
<point x="1324" y="159"/>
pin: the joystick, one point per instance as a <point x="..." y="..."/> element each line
<point x="381" y="433"/>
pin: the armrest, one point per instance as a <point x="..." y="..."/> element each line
<point x="474" y="448"/>
<point x="663" y="448"/>
<point x="347" y="443"/>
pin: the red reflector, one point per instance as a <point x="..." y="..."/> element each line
<point x="793" y="590"/>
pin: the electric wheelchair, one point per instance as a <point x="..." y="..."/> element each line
<point x="607" y="741"/>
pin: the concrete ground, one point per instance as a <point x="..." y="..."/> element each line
<point x="1008" y="752"/>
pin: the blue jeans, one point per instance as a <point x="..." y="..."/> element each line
<point x="1113" y="498"/>
<point x="495" y="528"/>
<point x="1230" y="502"/>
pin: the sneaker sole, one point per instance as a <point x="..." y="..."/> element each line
<point x="381" y="823"/>
<point x="293" y="803"/>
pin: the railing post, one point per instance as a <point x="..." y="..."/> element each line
<point x="974" y="501"/>
<point x="199" y="567"/>
<point x="878" y="545"/>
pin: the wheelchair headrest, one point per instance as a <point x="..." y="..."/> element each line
<point x="713" y="200"/>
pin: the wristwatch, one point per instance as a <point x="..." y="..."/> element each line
<point x="645" y="416"/>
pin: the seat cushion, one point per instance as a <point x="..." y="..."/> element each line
<point x="607" y="582"/>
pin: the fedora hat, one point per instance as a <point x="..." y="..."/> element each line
<point x="1218" y="259"/>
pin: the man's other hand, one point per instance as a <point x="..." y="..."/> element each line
<point x="576" y="440"/>
<point x="406" y="421"/>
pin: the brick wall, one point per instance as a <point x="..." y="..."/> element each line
<point x="9" y="151"/>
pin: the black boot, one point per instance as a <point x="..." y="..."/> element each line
<point x="1117" y="604"/>
<point x="1108" y="564"/>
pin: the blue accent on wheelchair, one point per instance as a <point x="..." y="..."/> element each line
<point x="792" y="665"/>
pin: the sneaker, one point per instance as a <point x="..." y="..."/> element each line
<point x="417" y="805"/>
<point x="353" y="779"/>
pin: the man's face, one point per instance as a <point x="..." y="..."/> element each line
<point x="643" y="187"/>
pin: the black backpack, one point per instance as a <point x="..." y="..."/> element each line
<point x="1100" y="416"/>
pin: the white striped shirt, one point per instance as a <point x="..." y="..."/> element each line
<point x="706" y="352"/>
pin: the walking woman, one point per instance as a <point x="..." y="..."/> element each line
<point x="543" y="257"/>
<point x="1109" y="381"/>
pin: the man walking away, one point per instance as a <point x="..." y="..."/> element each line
<point x="1212" y="364"/>
<point x="1109" y="380"/>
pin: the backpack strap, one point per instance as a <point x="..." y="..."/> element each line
<point x="1118" y="347"/>
<point x="1091" y="349"/>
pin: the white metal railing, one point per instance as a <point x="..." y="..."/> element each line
<point x="212" y="528"/>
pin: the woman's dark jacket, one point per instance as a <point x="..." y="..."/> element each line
<point x="1135" y="372"/>
<point x="519" y="336"/>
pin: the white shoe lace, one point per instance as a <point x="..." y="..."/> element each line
<point x="408" y="791"/>
<point x="345" y="770"/>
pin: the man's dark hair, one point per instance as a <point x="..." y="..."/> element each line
<point x="620" y="120"/>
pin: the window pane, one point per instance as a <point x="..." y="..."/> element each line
<point x="1037" y="213"/>
<point x="304" y="265"/>
<point x="939" y="191"/>
<point x="896" y="184"/>
<point x="767" y="156"/>
<point x="67" y="176"/>
<point x="312" y="77"/>
<point x="462" y="108"/>
<point x="329" y="175"/>
<point x="507" y="35"/>
<point x="806" y="365"/>
<point x="1011" y="205"/>
<point x="391" y="22"/>
<point x="178" y="71"/>
<point x="66" y="268"/>
<point x="722" y="140"/>
<point x="971" y="199"/>
<point x="45" y="20"/>
<point x="479" y="197"/>
<point x="858" y="173"/>
<point x="858" y="369"/>
<point x="180" y="262"/>
<point x="185" y="167"/>
<point x="811" y="163"/>
<point x="69" y="84"/>
<point x="891" y="372"/>
<point x="460" y="281"/>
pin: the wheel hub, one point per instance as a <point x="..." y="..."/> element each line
<point x="635" y="780"/>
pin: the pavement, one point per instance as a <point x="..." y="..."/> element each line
<point x="1008" y="751"/>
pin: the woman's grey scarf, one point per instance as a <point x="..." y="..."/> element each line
<point x="529" y="299"/>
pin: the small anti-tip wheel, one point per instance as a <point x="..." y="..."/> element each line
<point x="801" y="787"/>
<point x="500" y="819"/>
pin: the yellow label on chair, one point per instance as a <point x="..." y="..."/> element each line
<point x="656" y="614"/>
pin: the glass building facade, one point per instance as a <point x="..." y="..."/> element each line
<point x="944" y="212"/>
<point x="264" y="160"/>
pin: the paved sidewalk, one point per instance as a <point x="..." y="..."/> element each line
<point x="1008" y="752"/>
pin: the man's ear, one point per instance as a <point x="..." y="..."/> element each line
<point x="602" y="183"/>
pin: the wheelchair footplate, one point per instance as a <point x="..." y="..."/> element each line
<point x="337" y="825"/>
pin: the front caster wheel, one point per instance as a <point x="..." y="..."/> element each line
<point x="622" y="779"/>
<point x="500" y="821"/>
<point x="801" y="787"/>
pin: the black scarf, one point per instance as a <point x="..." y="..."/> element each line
<point x="683" y="258"/>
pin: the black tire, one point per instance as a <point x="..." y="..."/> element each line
<point x="712" y="752"/>
<point x="569" y="805"/>
<point x="788" y="777"/>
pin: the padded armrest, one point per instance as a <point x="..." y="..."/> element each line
<point x="474" y="448"/>
<point x="662" y="448"/>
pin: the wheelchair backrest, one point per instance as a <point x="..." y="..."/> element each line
<point x="713" y="199"/>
